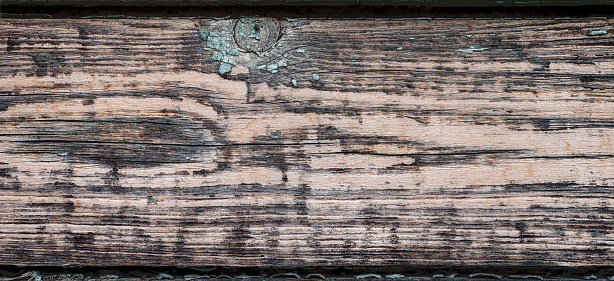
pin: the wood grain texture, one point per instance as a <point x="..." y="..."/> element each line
<point x="425" y="3"/>
<point x="347" y="142"/>
<point x="341" y="273"/>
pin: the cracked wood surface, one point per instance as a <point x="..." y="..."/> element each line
<point x="347" y="142"/>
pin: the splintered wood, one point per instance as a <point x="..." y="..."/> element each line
<point x="354" y="142"/>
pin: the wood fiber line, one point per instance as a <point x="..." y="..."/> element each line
<point x="334" y="142"/>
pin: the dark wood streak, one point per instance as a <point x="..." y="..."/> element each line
<point x="402" y="142"/>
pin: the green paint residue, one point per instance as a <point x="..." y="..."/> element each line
<point x="164" y="276"/>
<point x="203" y="34"/>
<point x="597" y="32"/>
<point x="195" y="276"/>
<point x="272" y="68"/>
<point x="221" y="47"/>
<point x="257" y="34"/>
<point x="286" y="275"/>
<point x="526" y="277"/>
<point x="36" y="276"/>
<point x="368" y="275"/>
<point x="315" y="275"/>
<point x="486" y="275"/>
<point x="359" y="272"/>
<point x="294" y="22"/>
<point x="472" y="49"/>
<point x="294" y="83"/>
<point x="276" y="135"/>
<point x="250" y="31"/>
<point x="315" y="76"/>
<point x="224" y="68"/>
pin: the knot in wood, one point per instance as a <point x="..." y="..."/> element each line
<point x="257" y="34"/>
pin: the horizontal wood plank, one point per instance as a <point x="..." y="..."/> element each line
<point x="259" y="141"/>
<point x="426" y="3"/>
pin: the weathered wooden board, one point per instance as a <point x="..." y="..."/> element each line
<point x="338" y="273"/>
<point x="428" y="3"/>
<point x="330" y="142"/>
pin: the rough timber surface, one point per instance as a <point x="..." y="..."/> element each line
<point x="425" y="3"/>
<point x="359" y="142"/>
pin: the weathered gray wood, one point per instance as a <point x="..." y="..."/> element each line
<point x="427" y="3"/>
<point x="331" y="142"/>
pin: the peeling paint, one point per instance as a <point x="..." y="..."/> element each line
<point x="221" y="47"/>
<point x="526" y="277"/>
<point x="195" y="276"/>
<point x="256" y="34"/>
<point x="287" y="275"/>
<point x="315" y="275"/>
<point x="272" y="68"/>
<point x="203" y="34"/>
<point x="224" y="68"/>
<point x="290" y="272"/>
<point x="164" y="276"/>
<point x="599" y="32"/>
<point x="368" y="275"/>
<point x="472" y="49"/>
<point x="294" y="22"/>
<point x="485" y="275"/>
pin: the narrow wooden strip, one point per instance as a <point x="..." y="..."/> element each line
<point x="428" y="3"/>
<point x="258" y="141"/>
